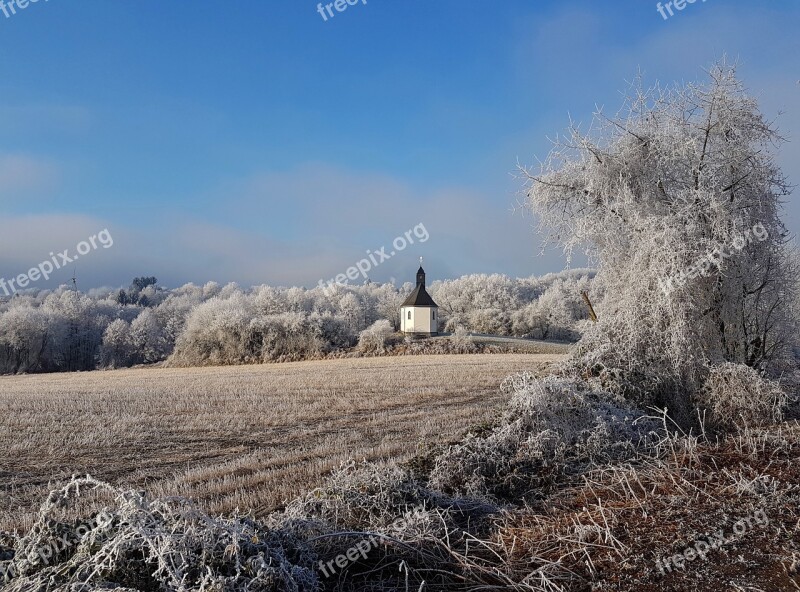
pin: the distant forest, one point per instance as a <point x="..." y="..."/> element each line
<point x="63" y="330"/>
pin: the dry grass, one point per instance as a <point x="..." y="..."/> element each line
<point x="609" y="532"/>
<point x="245" y="436"/>
<point x="602" y="524"/>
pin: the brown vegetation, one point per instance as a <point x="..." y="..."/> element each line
<point x="247" y="437"/>
<point x="610" y="531"/>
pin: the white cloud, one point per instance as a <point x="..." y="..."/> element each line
<point x="343" y="213"/>
<point x="27" y="240"/>
<point x="335" y="216"/>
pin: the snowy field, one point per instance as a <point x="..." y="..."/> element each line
<point x="246" y="436"/>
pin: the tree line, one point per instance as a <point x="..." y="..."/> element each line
<point x="64" y="330"/>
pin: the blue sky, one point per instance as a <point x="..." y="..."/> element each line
<point x="255" y="142"/>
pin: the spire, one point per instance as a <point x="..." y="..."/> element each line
<point x="419" y="297"/>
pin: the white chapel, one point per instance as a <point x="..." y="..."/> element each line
<point x="419" y="314"/>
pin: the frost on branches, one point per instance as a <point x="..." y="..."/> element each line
<point x="649" y="193"/>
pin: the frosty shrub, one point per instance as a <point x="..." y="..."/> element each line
<point x="366" y="496"/>
<point x="139" y="543"/>
<point x="216" y="333"/>
<point x="462" y="342"/>
<point x="677" y="175"/>
<point x="373" y="339"/>
<point x="417" y="527"/>
<point x="154" y="544"/>
<point x="283" y="337"/>
<point x="552" y="426"/>
<point x="736" y="395"/>
<point x="427" y="347"/>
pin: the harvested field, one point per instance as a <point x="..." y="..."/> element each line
<point x="243" y="436"/>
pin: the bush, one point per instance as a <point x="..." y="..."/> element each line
<point x="551" y="427"/>
<point x="737" y="395"/>
<point x="373" y="340"/>
<point x="154" y="544"/>
<point x="462" y="342"/>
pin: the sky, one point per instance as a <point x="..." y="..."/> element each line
<point x="259" y="141"/>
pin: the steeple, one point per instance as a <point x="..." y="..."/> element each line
<point x="419" y="315"/>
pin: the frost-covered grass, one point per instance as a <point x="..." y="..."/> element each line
<point x="247" y="437"/>
<point x="550" y="429"/>
<point x="609" y="530"/>
<point x="598" y="501"/>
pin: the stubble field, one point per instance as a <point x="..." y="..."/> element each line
<point x="246" y="436"/>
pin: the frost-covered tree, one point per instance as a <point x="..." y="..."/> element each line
<point x="387" y="303"/>
<point x="211" y="289"/>
<point x="117" y="349"/>
<point x="216" y="332"/>
<point x="75" y="330"/>
<point x="24" y="339"/>
<point x="148" y="338"/>
<point x="174" y="311"/>
<point x="63" y="330"/>
<point x="269" y="300"/>
<point x="556" y="313"/>
<point x="141" y="291"/>
<point x="677" y="198"/>
<point x="230" y="290"/>
<point x="350" y="308"/>
<point x="498" y="304"/>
